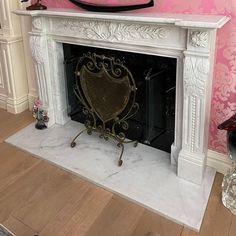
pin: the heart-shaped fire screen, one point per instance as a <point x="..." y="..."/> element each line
<point x="107" y="90"/>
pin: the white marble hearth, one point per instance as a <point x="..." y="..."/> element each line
<point x="146" y="177"/>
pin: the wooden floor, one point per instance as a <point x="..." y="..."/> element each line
<point x="39" y="198"/>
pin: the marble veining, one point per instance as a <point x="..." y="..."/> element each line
<point x="146" y="177"/>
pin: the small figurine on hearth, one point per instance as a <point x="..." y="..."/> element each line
<point x="35" y="6"/>
<point x="229" y="181"/>
<point x="40" y="115"/>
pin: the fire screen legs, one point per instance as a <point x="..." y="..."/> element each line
<point x="107" y="90"/>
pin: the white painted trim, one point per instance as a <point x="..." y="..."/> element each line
<point x="17" y="105"/>
<point x="14" y="106"/>
<point x="13" y="81"/>
<point x="219" y="161"/>
<point x="10" y="39"/>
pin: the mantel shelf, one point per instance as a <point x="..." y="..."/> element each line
<point x="181" y="20"/>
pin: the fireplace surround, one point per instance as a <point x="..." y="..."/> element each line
<point x="188" y="38"/>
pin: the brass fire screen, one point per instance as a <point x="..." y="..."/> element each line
<point x="107" y="90"/>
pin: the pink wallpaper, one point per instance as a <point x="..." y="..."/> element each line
<point x="223" y="102"/>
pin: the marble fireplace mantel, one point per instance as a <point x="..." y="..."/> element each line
<point x="188" y="38"/>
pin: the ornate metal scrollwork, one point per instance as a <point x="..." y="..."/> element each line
<point x="107" y="90"/>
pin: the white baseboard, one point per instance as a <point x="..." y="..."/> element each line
<point x="219" y="161"/>
<point x="17" y="105"/>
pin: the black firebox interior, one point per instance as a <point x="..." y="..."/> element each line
<point x="155" y="79"/>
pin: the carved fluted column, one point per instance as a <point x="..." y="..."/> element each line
<point x="196" y="105"/>
<point x="39" y="50"/>
<point x="57" y="73"/>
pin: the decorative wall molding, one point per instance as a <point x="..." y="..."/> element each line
<point x="30" y="66"/>
<point x="11" y="40"/>
<point x="5" y="18"/>
<point x="17" y="105"/>
<point x="13" y="85"/>
<point x="14" y="105"/>
<point x="8" y="71"/>
<point x="2" y="86"/>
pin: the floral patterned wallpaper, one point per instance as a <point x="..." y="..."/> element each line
<point x="223" y="102"/>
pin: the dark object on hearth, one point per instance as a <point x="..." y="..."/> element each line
<point x="36" y="6"/>
<point x="102" y="8"/>
<point x="107" y="90"/>
<point x="230" y="126"/>
<point x="229" y="180"/>
<point x="40" y="124"/>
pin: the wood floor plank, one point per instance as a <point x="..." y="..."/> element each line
<point x="10" y="123"/>
<point x="58" y="224"/>
<point x="47" y="191"/>
<point x="18" y="228"/>
<point x="189" y="232"/>
<point x="152" y="224"/>
<point x="232" y="231"/>
<point x="3" y="113"/>
<point x="119" y="218"/>
<point x="77" y="216"/>
<point x="217" y="218"/>
<point x="38" y="197"/>
<point x="14" y="164"/>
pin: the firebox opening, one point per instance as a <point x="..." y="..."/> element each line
<point x="155" y="79"/>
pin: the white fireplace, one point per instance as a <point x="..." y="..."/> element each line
<point x="188" y="38"/>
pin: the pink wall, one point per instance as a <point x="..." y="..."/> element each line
<point x="223" y="102"/>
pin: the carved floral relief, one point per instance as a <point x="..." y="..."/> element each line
<point x="199" y="39"/>
<point x="195" y="74"/>
<point x="110" y="31"/>
<point x="36" y="45"/>
<point x="223" y="102"/>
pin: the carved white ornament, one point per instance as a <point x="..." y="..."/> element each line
<point x="195" y="75"/>
<point x="193" y="124"/>
<point x="109" y="31"/>
<point x="36" y="45"/>
<point x="37" y="23"/>
<point x="199" y="38"/>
